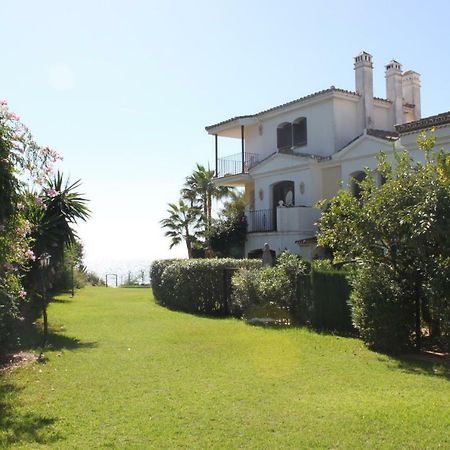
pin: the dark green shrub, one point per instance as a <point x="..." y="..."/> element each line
<point x="268" y="286"/>
<point x="330" y="293"/>
<point x="295" y="269"/>
<point x="8" y="315"/>
<point x="244" y="291"/>
<point x="384" y="318"/>
<point x="274" y="287"/>
<point x="201" y="286"/>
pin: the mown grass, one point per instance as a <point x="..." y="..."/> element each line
<point x="126" y="373"/>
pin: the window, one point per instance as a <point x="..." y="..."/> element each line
<point x="284" y="136"/>
<point x="299" y="132"/>
<point x="291" y="134"/>
<point x="355" y="179"/>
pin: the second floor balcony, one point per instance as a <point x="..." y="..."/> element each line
<point x="237" y="163"/>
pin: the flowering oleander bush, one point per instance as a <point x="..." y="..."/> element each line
<point x="23" y="164"/>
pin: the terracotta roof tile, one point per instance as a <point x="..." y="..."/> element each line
<point x="293" y="102"/>
<point x="422" y="124"/>
<point x="383" y="134"/>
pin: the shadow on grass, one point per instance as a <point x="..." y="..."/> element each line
<point x="61" y="300"/>
<point x="62" y="342"/>
<point x="420" y="364"/>
<point x="21" y="428"/>
<point x="30" y="338"/>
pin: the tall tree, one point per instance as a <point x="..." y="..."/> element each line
<point x="228" y="233"/>
<point x="398" y="234"/>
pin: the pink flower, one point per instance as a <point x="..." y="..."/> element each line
<point x="22" y="293"/>
<point x="48" y="170"/>
<point x="40" y="202"/>
<point x="3" y="103"/>
<point x="14" y="117"/>
<point x="19" y="206"/>
<point x="30" y="255"/>
<point x="52" y="192"/>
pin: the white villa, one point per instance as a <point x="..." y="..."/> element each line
<point x="296" y="154"/>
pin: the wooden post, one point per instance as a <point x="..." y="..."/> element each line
<point x="243" y="148"/>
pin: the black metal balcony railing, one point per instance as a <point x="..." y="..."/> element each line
<point x="261" y="220"/>
<point x="232" y="165"/>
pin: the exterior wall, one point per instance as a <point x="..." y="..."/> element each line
<point x="383" y="116"/>
<point x="254" y="142"/>
<point x="361" y="157"/>
<point x="348" y="121"/>
<point x="298" y="175"/>
<point x="320" y="130"/>
<point x="442" y="135"/>
<point x="331" y="177"/>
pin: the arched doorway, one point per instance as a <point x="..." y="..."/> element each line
<point x="282" y="191"/>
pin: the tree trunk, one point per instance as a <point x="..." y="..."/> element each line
<point x="188" y="243"/>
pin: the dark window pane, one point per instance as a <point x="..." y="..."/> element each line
<point x="299" y="131"/>
<point x="284" y="136"/>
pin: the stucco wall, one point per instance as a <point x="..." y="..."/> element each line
<point x="264" y="184"/>
<point x="331" y="177"/>
<point x="320" y="130"/>
<point x="347" y="122"/>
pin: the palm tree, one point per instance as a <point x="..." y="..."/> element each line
<point x="63" y="208"/>
<point x="234" y="207"/>
<point x="53" y="231"/>
<point x="181" y="224"/>
<point x="200" y="190"/>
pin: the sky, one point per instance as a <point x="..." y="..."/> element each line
<point x="124" y="89"/>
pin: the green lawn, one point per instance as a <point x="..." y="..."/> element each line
<point x="125" y="373"/>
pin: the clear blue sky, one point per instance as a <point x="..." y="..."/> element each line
<point x="123" y="89"/>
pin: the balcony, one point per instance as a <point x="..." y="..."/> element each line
<point x="300" y="219"/>
<point x="237" y="163"/>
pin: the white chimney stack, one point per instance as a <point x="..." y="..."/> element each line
<point x="364" y="85"/>
<point x="411" y="91"/>
<point x="394" y="90"/>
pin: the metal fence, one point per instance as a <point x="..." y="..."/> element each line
<point x="261" y="220"/>
<point x="232" y="165"/>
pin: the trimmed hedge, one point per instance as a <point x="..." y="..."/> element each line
<point x="200" y="286"/>
<point x="217" y="287"/>
<point x="330" y="293"/>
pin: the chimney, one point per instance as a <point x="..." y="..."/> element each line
<point x="411" y="91"/>
<point x="364" y="85"/>
<point x="394" y="91"/>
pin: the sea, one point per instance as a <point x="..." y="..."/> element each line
<point x="132" y="271"/>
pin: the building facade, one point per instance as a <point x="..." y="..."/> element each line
<point x="293" y="155"/>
